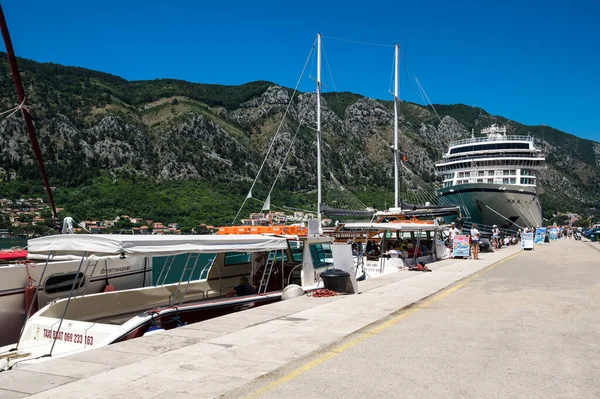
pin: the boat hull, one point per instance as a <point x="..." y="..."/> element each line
<point x="128" y="273"/>
<point x="508" y="206"/>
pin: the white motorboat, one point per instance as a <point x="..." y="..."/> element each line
<point x="214" y="266"/>
<point x="40" y="279"/>
<point x="386" y="247"/>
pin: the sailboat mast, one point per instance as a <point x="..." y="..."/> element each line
<point x="12" y="61"/>
<point x="396" y="201"/>
<point x="319" y="129"/>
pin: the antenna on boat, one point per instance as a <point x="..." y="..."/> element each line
<point x="319" y="129"/>
<point x="396" y="48"/>
<point x="12" y="61"/>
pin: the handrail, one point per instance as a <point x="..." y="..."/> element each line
<point x="490" y="155"/>
<point x="491" y="139"/>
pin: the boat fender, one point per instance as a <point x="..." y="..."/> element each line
<point x="109" y="287"/>
<point x="30" y="299"/>
<point x="292" y="291"/>
<point x="154" y="329"/>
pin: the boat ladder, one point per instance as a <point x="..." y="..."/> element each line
<point x="267" y="270"/>
<point x="190" y="267"/>
<point x="87" y="279"/>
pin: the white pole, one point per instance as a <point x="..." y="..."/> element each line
<point x="319" y="130"/>
<point x="396" y="128"/>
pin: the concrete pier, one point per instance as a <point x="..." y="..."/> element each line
<point x="374" y="344"/>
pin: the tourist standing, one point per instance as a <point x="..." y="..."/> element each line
<point x="453" y="232"/>
<point x="475" y="235"/>
<point x="495" y="236"/>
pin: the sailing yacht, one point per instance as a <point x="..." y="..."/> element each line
<point x="494" y="179"/>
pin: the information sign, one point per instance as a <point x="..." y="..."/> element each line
<point x="540" y="235"/>
<point x="527" y="241"/>
<point x="460" y="246"/>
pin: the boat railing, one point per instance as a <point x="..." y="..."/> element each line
<point x="491" y="139"/>
<point x="190" y="266"/>
<point x="164" y="272"/>
<point x="494" y="156"/>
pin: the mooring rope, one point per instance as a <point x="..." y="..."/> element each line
<point x="16" y="109"/>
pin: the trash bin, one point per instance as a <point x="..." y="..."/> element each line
<point x="335" y="280"/>
<point x="593" y="237"/>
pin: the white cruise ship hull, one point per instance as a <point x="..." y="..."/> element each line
<point x="508" y="206"/>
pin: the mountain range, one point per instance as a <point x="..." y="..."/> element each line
<point x="179" y="151"/>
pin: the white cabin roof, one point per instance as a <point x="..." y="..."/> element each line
<point x="102" y="245"/>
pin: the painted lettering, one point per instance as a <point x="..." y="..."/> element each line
<point x="115" y="270"/>
<point x="87" y="340"/>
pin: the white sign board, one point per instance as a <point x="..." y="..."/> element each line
<point x="527" y="241"/>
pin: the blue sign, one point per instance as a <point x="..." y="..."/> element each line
<point x="540" y="235"/>
<point x="554" y="233"/>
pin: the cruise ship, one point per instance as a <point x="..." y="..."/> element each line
<point x="494" y="179"/>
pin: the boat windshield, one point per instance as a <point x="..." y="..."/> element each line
<point x="296" y="248"/>
<point x="321" y="255"/>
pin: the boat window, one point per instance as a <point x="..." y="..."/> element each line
<point x="63" y="282"/>
<point x="513" y="180"/>
<point x="236" y="258"/>
<point x="296" y="248"/>
<point x="321" y="255"/>
<point x="278" y="256"/>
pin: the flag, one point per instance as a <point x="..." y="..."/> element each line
<point x="267" y="204"/>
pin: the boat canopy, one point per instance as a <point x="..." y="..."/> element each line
<point x="105" y="245"/>
<point x="395" y="226"/>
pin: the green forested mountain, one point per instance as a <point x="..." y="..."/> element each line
<point x="172" y="150"/>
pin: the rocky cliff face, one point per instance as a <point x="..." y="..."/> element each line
<point x="178" y="131"/>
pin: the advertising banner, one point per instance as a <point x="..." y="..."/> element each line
<point x="540" y="235"/>
<point x="460" y="246"/>
<point x="554" y="233"/>
<point x="527" y="241"/>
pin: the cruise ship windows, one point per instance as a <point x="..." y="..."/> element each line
<point x="480" y="173"/>
<point x="505" y="181"/>
<point x="491" y="181"/>
<point x="479" y="180"/>
<point x="513" y="180"/>
<point x="513" y="172"/>
<point x="486" y="147"/>
<point x="490" y="173"/>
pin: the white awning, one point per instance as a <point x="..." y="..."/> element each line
<point x="151" y="245"/>
<point x="394" y="226"/>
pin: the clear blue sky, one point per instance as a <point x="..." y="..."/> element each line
<point x="536" y="62"/>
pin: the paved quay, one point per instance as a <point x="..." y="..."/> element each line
<point x="230" y="355"/>
<point x="526" y="327"/>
